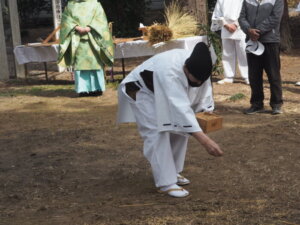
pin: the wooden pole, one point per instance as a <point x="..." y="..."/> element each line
<point x="52" y="37"/>
<point x="4" y="73"/>
<point x="57" y="12"/>
<point x="199" y="9"/>
<point x="16" y="34"/>
<point x="196" y="7"/>
<point x="285" y="31"/>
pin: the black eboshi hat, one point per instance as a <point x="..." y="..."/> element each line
<point x="199" y="64"/>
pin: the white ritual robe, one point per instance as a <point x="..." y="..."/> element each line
<point x="166" y="117"/>
<point x="234" y="45"/>
<point x="227" y="12"/>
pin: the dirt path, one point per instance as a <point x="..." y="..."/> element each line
<point x="64" y="161"/>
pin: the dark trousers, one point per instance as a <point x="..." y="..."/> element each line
<point x="270" y="62"/>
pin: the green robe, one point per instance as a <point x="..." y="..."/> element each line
<point x="90" y="51"/>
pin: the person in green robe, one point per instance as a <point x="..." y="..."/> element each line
<point x="86" y="45"/>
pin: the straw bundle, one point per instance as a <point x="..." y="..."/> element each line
<point x="178" y="24"/>
<point x="159" y="33"/>
<point x="181" y="23"/>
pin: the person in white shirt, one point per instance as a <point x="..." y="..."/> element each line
<point x="162" y="95"/>
<point x="225" y="18"/>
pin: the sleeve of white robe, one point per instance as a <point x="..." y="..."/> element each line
<point x="173" y="106"/>
<point x="217" y="20"/>
<point x="202" y="100"/>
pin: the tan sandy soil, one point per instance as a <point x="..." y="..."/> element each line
<point x="63" y="160"/>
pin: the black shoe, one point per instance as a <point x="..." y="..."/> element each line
<point x="253" y="110"/>
<point x="276" y="110"/>
<point x="83" y="94"/>
<point x="96" y="93"/>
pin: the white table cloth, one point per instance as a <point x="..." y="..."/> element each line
<point x="27" y="54"/>
<point x="142" y="48"/>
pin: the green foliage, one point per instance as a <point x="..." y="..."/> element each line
<point x="4" y="10"/>
<point x="236" y="97"/>
<point x="41" y="90"/>
<point x="125" y="15"/>
<point x="113" y="84"/>
<point x="30" y="10"/>
<point x="214" y="39"/>
<point x="293" y="3"/>
<point x="211" y="5"/>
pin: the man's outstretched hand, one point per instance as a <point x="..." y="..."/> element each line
<point x="211" y="147"/>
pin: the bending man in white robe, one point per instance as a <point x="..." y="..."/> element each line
<point x="225" y="18"/>
<point x="161" y="96"/>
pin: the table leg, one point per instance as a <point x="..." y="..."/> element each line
<point x="46" y="70"/>
<point x="26" y="71"/>
<point x="112" y="74"/>
<point x="123" y="67"/>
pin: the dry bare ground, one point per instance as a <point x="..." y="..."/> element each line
<point x="63" y="161"/>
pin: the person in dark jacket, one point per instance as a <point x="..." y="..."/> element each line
<point x="260" y="20"/>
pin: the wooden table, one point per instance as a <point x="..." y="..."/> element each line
<point x="124" y="48"/>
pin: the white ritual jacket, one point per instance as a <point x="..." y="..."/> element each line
<point x="175" y="101"/>
<point x="227" y="12"/>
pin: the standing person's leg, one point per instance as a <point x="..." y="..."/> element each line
<point x="240" y="46"/>
<point x="157" y="145"/>
<point x="89" y="82"/>
<point x="228" y="61"/>
<point x="82" y="82"/>
<point x="97" y="82"/>
<point x="272" y="67"/>
<point x="255" y="68"/>
<point x="179" y="147"/>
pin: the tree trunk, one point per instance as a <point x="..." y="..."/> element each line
<point x="16" y="34"/>
<point x="285" y="32"/>
<point x="199" y="9"/>
<point x="4" y="73"/>
<point x="196" y="7"/>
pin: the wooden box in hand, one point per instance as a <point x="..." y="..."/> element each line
<point x="209" y="121"/>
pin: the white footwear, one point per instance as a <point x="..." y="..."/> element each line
<point x="225" y="81"/>
<point x="174" y="191"/>
<point x="181" y="180"/>
<point x="247" y="81"/>
<point x="297" y="83"/>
